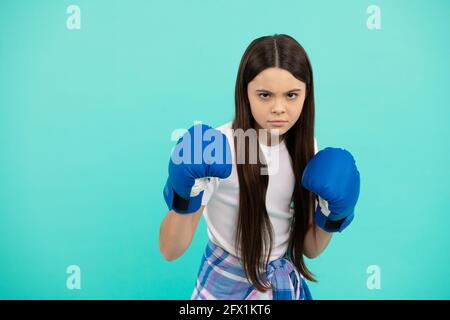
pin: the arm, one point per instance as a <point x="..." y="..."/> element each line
<point x="316" y="240"/>
<point x="176" y="233"/>
<point x="333" y="176"/>
<point x="185" y="185"/>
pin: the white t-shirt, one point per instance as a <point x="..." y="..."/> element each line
<point x="221" y="198"/>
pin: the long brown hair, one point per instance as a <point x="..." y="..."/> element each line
<point x="254" y="233"/>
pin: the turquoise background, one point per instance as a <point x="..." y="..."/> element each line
<point x="86" y="118"/>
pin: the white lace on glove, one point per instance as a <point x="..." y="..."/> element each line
<point x="199" y="186"/>
<point x="324" y="207"/>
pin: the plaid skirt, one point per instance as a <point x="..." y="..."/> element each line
<point x="221" y="277"/>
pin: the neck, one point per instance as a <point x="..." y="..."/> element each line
<point x="268" y="139"/>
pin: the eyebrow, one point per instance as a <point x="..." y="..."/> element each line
<point x="263" y="90"/>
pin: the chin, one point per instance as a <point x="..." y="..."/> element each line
<point x="277" y="132"/>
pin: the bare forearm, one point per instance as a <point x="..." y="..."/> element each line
<point x="176" y="234"/>
<point x="315" y="242"/>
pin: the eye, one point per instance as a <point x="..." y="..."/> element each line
<point x="264" y="95"/>
<point x="292" y="93"/>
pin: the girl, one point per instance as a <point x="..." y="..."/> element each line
<point x="262" y="216"/>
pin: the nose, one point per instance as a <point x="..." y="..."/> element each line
<point x="278" y="108"/>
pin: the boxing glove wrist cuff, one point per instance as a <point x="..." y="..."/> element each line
<point x="329" y="225"/>
<point x="179" y="204"/>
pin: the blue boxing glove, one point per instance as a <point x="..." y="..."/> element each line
<point x="200" y="153"/>
<point x="332" y="175"/>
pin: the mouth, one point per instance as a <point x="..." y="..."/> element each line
<point x="278" y="123"/>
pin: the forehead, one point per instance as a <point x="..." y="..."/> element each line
<point x="276" y="79"/>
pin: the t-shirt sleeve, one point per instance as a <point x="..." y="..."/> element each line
<point x="211" y="187"/>
<point x="316" y="149"/>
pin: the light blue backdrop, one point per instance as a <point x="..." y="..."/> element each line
<point x="86" y="117"/>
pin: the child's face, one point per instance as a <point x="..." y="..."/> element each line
<point x="275" y="94"/>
